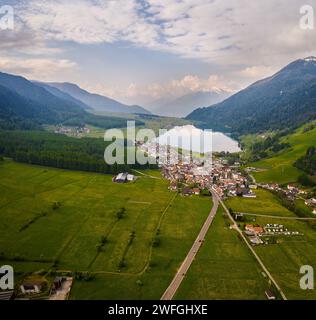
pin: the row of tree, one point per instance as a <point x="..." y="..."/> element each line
<point x="53" y="150"/>
<point x="307" y="163"/>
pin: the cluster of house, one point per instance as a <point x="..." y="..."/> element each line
<point x="312" y="204"/>
<point x="163" y="154"/>
<point x="188" y="174"/>
<point x="74" y="132"/>
<point x="292" y="192"/>
<point x="254" y="233"/>
<point x="124" y="177"/>
<point x="227" y="181"/>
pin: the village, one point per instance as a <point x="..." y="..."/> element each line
<point x="191" y="174"/>
<point x="77" y="132"/>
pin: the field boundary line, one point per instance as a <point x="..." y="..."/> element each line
<point x="146" y="175"/>
<point x="276" y="217"/>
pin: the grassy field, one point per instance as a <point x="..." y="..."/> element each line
<point x="280" y="168"/>
<point x="284" y="258"/>
<point x="35" y="236"/>
<point x="224" y="268"/>
<point x="265" y="203"/>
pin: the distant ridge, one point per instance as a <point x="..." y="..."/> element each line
<point x="96" y="101"/>
<point x="28" y="105"/>
<point x="63" y="95"/>
<point x="182" y="106"/>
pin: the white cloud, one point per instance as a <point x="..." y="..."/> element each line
<point x="43" y="69"/>
<point x="171" y="89"/>
<point x="219" y="31"/>
<point x="245" y="39"/>
<point x="89" y="22"/>
<point x="258" y="72"/>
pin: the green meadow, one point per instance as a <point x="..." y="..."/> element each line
<point x="37" y="234"/>
<point x="266" y="203"/>
<point x="284" y="258"/>
<point x="280" y="169"/>
<point x="224" y="268"/>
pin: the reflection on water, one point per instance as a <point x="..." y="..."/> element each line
<point x="191" y="138"/>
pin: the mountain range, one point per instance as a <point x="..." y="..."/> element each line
<point x="182" y="106"/>
<point x="28" y="105"/>
<point x="96" y="101"/>
<point x="286" y="99"/>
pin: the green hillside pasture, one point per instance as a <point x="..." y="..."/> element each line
<point x="280" y="168"/>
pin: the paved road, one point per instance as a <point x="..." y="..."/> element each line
<point x="175" y="284"/>
<point x="235" y="225"/>
<point x="276" y="217"/>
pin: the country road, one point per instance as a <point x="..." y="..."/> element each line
<point x="176" y="282"/>
<point x="276" y="217"/>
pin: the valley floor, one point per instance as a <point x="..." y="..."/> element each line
<point x="145" y="247"/>
<point x="36" y="237"/>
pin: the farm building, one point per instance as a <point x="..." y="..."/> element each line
<point x="251" y="228"/>
<point x="124" y="177"/>
<point x="32" y="286"/>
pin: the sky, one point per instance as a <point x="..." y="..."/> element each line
<point x="141" y="51"/>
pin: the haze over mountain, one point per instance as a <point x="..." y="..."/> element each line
<point x="28" y="105"/>
<point x="286" y="99"/>
<point x="31" y="91"/>
<point x="63" y="95"/>
<point x="96" y="101"/>
<point x="182" y="106"/>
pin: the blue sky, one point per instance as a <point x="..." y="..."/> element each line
<point x="139" y="51"/>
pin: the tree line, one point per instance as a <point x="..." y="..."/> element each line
<point x="59" y="151"/>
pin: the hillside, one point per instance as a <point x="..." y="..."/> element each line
<point x="280" y="168"/>
<point x="63" y="95"/>
<point x="30" y="91"/>
<point x="19" y="113"/>
<point x="26" y="105"/>
<point x="286" y="99"/>
<point x="96" y="101"/>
